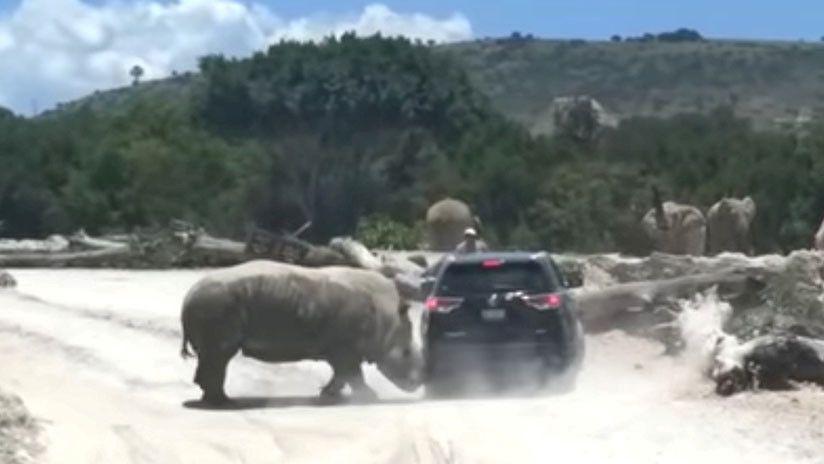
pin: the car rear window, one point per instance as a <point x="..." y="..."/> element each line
<point x="475" y="279"/>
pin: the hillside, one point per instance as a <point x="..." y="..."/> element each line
<point x="360" y="134"/>
<point x="769" y="82"/>
<point x="772" y="83"/>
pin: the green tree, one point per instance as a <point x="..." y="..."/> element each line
<point x="136" y="72"/>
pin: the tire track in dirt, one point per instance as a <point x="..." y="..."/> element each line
<point x="145" y="325"/>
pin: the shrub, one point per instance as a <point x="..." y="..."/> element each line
<point x="381" y="232"/>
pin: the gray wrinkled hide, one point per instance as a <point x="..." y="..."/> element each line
<point x="728" y="226"/>
<point x="278" y="312"/>
<point x="684" y="231"/>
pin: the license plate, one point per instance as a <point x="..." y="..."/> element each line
<point x="493" y="314"/>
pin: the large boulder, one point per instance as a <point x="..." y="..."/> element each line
<point x="6" y="280"/>
<point x="446" y="222"/>
<point x="729" y="225"/>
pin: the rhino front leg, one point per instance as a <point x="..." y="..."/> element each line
<point x="347" y="370"/>
<point x="360" y="390"/>
<point x="332" y="390"/>
<point x="334" y="387"/>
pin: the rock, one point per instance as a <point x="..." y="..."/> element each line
<point x="446" y="222"/>
<point x="6" y="280"/>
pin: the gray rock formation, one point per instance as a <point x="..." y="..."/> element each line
<point x="446" y="221"/>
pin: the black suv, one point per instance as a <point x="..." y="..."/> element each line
<point x="500" y="315"/>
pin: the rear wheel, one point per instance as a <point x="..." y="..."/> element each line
<point x="564" y="380"/>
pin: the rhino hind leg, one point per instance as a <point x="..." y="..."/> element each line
<point x="211" y="376"/>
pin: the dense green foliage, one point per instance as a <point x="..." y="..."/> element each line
<point x="360" y="136"/>
<point x="379" y="231"/>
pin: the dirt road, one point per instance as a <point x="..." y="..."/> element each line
<point x="94" y="354"/>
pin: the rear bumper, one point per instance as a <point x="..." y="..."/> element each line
<point x="449" y="357"/>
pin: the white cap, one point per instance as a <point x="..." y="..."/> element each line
<point x="470" y="231"/>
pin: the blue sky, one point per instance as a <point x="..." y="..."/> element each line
<point x="789" y="20"/>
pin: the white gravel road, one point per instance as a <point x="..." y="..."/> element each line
<point x="94" y="354"/>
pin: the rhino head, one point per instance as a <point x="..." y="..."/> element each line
<point x="404" y="362"/>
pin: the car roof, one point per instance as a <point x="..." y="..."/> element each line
<point x="508" y="256"/>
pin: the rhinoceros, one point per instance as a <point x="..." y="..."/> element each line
<point x="278" y="312"/>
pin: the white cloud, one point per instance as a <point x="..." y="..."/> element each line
<point x="58" y="50"/>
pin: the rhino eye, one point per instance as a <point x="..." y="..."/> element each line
<point x="407" y="352"/>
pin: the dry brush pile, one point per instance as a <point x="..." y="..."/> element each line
<point x="18" y="431"/>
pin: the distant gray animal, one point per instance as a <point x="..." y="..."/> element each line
<point x="729" y="226"/>
<point x="675" y="228"/>
<point x="278" y="312"/>
<point x="446" y="222"/>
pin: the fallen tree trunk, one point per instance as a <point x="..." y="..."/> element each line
<point x="53" y="244"/>
<point x="359" y="256"/>
<point x="356" y="253"/>
<point x="82" y="241"/>
<point x="112" y="257"/>
<point x="599" y="308"/>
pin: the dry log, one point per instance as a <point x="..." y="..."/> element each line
<point x="290" y="249"/>
<point x="598" y="308"/>
<point x="53" y="244"/>
<point x="388" y="264"/>
<point x="392" y="265"/>
<point x="82" y="241"/>
<point x="113" y="257"/>
<point x="356" y="253"/>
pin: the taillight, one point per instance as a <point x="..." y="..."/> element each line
<point x="440" y="304"/>
<point x="491" y="263"/>
<point x="544" y="301"/>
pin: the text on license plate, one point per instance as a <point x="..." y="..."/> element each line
<point x="493" y="314"/>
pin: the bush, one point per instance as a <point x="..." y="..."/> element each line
<point x="381" y="232"/>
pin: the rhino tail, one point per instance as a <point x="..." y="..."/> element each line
<point x="184" y="348"/>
